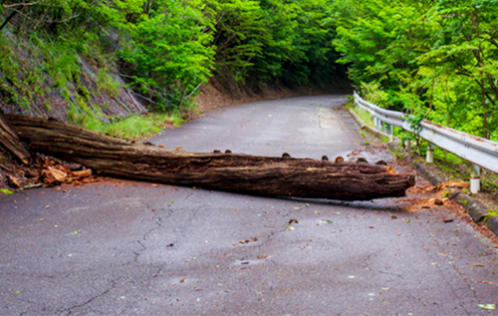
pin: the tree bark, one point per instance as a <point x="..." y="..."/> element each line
<point x="9" y="140"/>
<point x="265" y="176"/>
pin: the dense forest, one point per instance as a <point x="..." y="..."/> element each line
<point x="434" y="59"/>
<point x="163" y="50"/>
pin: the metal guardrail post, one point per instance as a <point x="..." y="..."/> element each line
<point x="430" y="153"/>
<point x="475" y="184"/>
<point x="408" y="144"/>
<point x="391" y="134"/>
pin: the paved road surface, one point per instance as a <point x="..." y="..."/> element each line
<point x="130" y="248"/>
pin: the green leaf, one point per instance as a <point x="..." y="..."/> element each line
<point x="487" y="306"/>
<point x="5" y="191"/>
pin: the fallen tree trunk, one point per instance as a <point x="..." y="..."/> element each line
<point x="266" y="176"/>
<point x="9" y="140"/>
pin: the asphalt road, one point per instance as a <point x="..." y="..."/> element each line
<point x="131" y="248"/>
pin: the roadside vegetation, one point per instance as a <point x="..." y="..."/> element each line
<point x="434" y="59"/>
<point x="83" y="60"/>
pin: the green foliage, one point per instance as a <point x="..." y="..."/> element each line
<point x="433" y="59"/>
<point x="167" y="52"/>
<point x="142" y="126"/>
<point x="107" y="83"/>
<point x="364" y="115"/>
<point x="5" y="191"/>
<point x="372" y="93"/>
<point x="164" y="49"/>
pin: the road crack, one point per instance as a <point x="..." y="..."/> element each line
<point x="69" y="310"/>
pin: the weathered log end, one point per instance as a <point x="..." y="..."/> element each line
<point x="9" y="139"/>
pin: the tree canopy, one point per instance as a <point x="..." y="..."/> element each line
<point x="435" y="59"/>
<point x="166" y="49"/>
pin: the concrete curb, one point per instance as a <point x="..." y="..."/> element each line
<point x="492" y="224"/>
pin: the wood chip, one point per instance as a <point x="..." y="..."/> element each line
<point x="82" y="174"/>
<point x="13" y="182"/>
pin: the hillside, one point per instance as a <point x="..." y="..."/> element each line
<point x="95" y="62"/>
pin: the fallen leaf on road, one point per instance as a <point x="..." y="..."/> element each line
<point x="262" y="256"/>
<point x="76" y="232"/>
<point x="394" y="217"/>
<point x="293" y="221"/>
<point x="484" y="282"/>
<point x="47" y="206"/>
<point x="479" y="265"/>
<point x="290" y="228"/>
<point x="183" y="280"/>
<point x="5" y="191"/>
<point x="487" y="306"/>
<point x="371" y="227"/>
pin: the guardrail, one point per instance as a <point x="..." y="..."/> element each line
<point x="479" y="151"/>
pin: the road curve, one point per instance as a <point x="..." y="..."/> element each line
<point x="131" y="248"/>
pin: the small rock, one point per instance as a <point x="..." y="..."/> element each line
<point x="438" y="202"/>
<point x="339" y="159"/>
<point x="286" y="155"/>
<point x="228" y="151"/>
<point x="216" y="151"/>
<point x="179" y="148"/>
<point x="381" y="163"/>
<point x="325" y="158"/>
